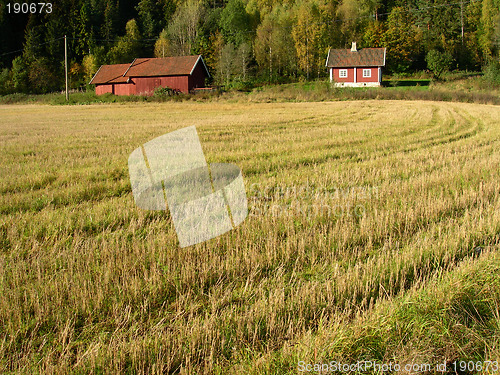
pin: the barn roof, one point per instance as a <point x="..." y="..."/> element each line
<point x="166" y="66"/>
<point x="148" y="67"/>
<point x="343" y="58"/>
<point x="110" y="74"/>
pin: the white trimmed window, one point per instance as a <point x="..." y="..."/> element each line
<point x="343" y="73"/>
<point x="367" y="73"/>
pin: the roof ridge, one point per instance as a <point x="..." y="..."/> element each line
<point x="131" y="64"/>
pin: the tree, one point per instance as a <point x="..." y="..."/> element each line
<point x="374" y="35"/>
<point x="213" y="51"/>
<point x="41" y="77"/>
<point x="489" y="29"/>
<point x="471" y="56"/>
<point x="438" y="62"/>
<point x="76" y="75"/>
<point x="162" y="45"/>
<point x="440" y="23"/>
<point x="7" y="36"/>
<point x="273" y="41"/>
<point x="54" y="48"/>
<point x="150" y="18"/>
<point x="32" y="50"/>
<point x="310" y="37"/>
<point x="233" y="63"/>
<point x="168" y="8"/>
<point x="183" y="28"/>
<point x="242" y="60"/>
<point x="354" y="15"/>
<point x="84" y="31"/>
<point x="264" y="44"/>
<point x="128" y="47"/>
<point x="235" y="23"/>
<point x="20" y="80"/>
<point x="492" y="73"/>
<point x="226" y="66"/>
<point x="207" y="42"/>
<point x="147" y="19"/>
<point x="90" y="66"/>
<point x="5" y="82"/>
<point x="110" y="19"/>
<point x="33" y="71"/>
<point x="400" y="39"/>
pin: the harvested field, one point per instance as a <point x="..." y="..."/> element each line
<point x="373" y="234"/>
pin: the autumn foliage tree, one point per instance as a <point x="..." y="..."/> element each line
<point x="401" y="40"/>
<point x="184" y="26"/>
<point x="310" y="37"/>
<point x="282" y="40"/>
<point x="129" y="46"/>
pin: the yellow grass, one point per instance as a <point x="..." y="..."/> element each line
<point x="357" y="210"/>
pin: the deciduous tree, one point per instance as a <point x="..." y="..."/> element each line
<point x="310" y="36"/>
<point x="235" y="23"/>
<point x="162" y="45"/>
<point x="183" y="29"/>
<point x="438" y="62"/>
<point x="401" y="40"/>
<point x="128" y="47"/>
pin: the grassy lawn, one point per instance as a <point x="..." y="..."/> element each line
<point x="373" y="234"/>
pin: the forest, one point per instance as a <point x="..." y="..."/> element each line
<point x="241" y="41"/>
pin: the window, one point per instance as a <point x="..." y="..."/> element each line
<point x="367" y="72"/>
<point x="343" y="73"/>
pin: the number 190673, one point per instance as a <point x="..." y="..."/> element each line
<point x="476" y="367"/>
<point x="29" y="8"/>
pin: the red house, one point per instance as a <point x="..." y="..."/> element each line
<point x="143" y="76"/>
<point x="356" y="68"/>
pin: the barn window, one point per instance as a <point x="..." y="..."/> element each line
<point x="367" y="73"/>
<point x="343" y="73"/>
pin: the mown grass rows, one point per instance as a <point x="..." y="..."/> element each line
<point x="89" y="282"/>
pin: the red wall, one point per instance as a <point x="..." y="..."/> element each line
<point x="146" y="85"/>
<point x="359" y="75"/>
<point x="115" y="88"/>
<point x="103" y="89"/>
<point x="373" y="78"/>
<point x="197" y="79"/>
<point x="124" y="89"/>
<point x="350" y="75"/>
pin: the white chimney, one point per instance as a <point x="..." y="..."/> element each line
<point x="353" y="48"/>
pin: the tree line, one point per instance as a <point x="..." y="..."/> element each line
<point x="241" y="40"/>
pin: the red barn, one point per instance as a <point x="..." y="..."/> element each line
<point x="356" y="68"/>
<point x="143" y="76"/>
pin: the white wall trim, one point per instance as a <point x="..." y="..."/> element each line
<point x="357" y="84"/>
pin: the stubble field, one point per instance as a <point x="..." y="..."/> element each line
<point x="373" y="234"/>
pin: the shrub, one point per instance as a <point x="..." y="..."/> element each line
<point x="5" y="82"/>
<point x="492" y="73"/>
<point x="438" y="62"/>
<point x="163" y="91"/>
